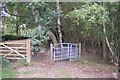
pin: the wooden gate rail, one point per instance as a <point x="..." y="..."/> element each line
<point x="16" y="49"/>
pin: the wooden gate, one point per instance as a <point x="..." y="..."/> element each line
<point x="64" y="51"/>
<point x="16" y="49"/>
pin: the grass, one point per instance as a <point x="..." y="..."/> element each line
<point x="6" y="69"/>
<point x="21" y="62"/>
<point x="8" y="73"/>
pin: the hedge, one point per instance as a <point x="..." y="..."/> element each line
<point x="7" y="37"/>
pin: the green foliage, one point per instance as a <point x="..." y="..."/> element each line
<point x="5" y="62"/>
<point x="114" y="30"/>
<point x="8" y="73"/>
<point x="81" y="20"/>
<point x="22" y="13"/>
<point x="21" y="62"/>
<point x="37" y="37"/>
<point x="7" y="68"/>
<point x="92" y="17"/>
<point x="47" y="13"/>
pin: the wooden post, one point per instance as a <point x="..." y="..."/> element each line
<point x="79" y="50"/>
<point x="28" y="46"/>
<point x="70" y="52"/>
<point x="61" y="51"/>
<point x="51" y="50"/>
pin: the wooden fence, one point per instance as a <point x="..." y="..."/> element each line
<point x="16" y="49"/>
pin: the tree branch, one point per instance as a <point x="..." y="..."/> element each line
<point x="15" y="14"/>
<point x="113" y="54"/>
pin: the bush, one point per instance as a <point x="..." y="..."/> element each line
<point x="21" y="62"/>
<point x="38" y="36"/>
<point x="5" y="62"/>
<point x="7" y="68"/>
<point x="7" y="37"/>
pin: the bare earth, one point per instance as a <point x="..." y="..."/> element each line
<point x="42" y="67"/>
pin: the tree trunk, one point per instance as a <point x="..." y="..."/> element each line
<point x="104" y="44"/>
<point x="99" y="47"/>
<point x="1" y="23"/>
<point x="112" y="53"/>
<point x="17" y="28"/>
<point x="58" y="21"/>
<point x="1" y="29"/>
<point x="49" y="32"/>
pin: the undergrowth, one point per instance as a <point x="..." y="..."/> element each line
<point x="7" y="69"/>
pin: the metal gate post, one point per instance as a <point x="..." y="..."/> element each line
<point x="51" y="50"/>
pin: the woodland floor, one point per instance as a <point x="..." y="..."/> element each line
<point x="42" y="67"/>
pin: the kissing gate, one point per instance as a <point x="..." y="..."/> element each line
<point x="63" y="51"/>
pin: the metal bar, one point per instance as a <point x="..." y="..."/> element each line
<point x="66" y="51"/>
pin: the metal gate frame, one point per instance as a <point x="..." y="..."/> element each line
<point x="63" y="51"/>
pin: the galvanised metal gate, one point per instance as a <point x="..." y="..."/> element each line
<point x="64" y="51"/>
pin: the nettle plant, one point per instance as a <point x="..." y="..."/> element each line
<point x="37" y="36"/>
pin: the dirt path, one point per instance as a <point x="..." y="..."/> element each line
<point x="43" y="67"/>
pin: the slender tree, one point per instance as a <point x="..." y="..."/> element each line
<point x="58" y="21"/>
<point x="1" y="24"/>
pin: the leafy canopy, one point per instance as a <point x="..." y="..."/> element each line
<point x="91" y="16"/>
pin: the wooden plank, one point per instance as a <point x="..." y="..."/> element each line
<point x="16" y="49"/>
<point x="13" y="47"/>
<point x="51" y="50"/>
<point x="10" y="51"/>
<point x="13" y="50"/>
<point x="11" y="54"/>
<point x="28" y="47"/>
<point x="10" y="43"/>
<point x="13" y="58"/>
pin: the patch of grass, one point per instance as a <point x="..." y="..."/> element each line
<point x="21" y="62"/>
<point x="7" y="69"/>
<point x="8" y="73"/>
